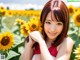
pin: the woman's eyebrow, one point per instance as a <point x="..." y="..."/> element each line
<point x="48" y="20"/>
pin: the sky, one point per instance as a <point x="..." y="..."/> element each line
<point x="40" y="2"/>
<point x="22" y="4"/>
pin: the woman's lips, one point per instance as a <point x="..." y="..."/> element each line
<point x="52" y="34"/>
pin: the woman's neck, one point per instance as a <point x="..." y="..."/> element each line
<point x="49" y="42"/>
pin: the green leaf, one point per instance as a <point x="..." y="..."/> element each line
<point x="11" y="54"/>
<point x="15" y="58"/>
<point x="16" y="30"/>
<point x="20" y="49"/>
<point x="77" y="42"/>
<point x="71" y="32"/>
<point x="74" y="47"/>
<point x="72" y="57"/>
<point x="74" y="36"/>
<point x="17" y="41"/>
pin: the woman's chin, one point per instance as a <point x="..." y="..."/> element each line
<point x="52" y="38"/>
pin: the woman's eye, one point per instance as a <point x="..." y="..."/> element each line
<point x="48" y="23"/>
<point x="59" y="23"/>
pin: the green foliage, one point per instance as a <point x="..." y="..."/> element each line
<point x="11" y="54"/>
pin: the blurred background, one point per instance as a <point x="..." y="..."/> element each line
<point x="19" y="17"/>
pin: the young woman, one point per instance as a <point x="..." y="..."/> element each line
<point x="53" y="43"/>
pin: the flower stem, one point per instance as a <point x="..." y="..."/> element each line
<point x="78" y="34"/>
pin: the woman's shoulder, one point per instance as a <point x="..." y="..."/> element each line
<point x="68" y="40"/>
<point x="68" y="43"/>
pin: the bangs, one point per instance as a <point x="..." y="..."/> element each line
<point x="58" y="15"/>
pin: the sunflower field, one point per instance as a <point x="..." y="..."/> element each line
<point x="15" y="25"/>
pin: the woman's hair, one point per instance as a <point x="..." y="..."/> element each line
<point x="61" y="14"/>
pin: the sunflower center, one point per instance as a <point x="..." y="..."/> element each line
<point x="5" y="41"/>
<point x="70" y="10"/>
<point x="2" y="8"/>
<point x="24" y="28"/>
<point x="34" y="26"/>
<point x="3" y="13"/>
<point x="78" y="18"/>
<point x="9" y="13"/>
<point x="22" y="23"/>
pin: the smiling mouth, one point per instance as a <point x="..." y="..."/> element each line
<point x="52" y="34"/>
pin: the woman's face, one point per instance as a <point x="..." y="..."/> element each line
<point x="52" y="28"/>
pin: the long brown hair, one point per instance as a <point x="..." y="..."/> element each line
<point x="62" y="14"/>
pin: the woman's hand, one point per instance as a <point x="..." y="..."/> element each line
<point x="36" y="36"/>
<point x="30" y="42"/>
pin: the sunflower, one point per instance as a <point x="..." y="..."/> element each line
<point x="77" y="52"/>
<point x="2" y="8"/>
<point x="77" y="9"/>
<point x="6" y="41"/>
<point x="2" y="11"/>
<point x="25" y="29"/>
<point x="71" y="10"/>
<point x="76" y="18"/>
<point x="20" y="21"/>
<point x="9" y="13"/>
<point x="34" y="24"/>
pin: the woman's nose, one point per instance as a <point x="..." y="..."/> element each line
<point x="53" y="28"/>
